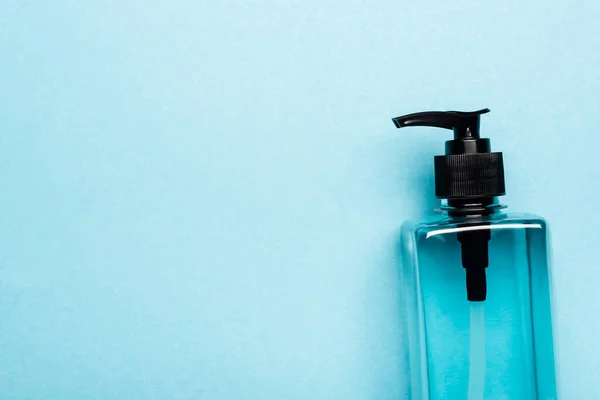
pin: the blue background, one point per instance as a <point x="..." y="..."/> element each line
<point x="202" y="199"/>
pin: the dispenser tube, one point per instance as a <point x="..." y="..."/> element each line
<point x="477" y="352"/>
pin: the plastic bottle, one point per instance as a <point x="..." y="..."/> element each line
<point x="476" y="280"/>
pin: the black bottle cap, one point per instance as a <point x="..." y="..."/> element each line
<point x="468" y="170"/>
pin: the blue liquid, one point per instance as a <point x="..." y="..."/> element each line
<point x="519" y="348"/>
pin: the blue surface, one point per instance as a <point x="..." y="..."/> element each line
<point x="203" y="199"/>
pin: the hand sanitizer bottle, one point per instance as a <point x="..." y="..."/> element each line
<point x="476" y="280"/>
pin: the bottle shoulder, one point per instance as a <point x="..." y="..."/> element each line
<point x="442" y="222"/>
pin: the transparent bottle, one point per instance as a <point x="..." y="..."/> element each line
<point x="476" y="282"/>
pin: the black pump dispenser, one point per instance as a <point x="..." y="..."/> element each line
<point x="470" y="176"/>
<point x="469" y="173"/>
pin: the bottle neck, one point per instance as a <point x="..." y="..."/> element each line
<point x="472" y="207"/>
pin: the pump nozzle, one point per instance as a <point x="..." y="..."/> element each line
<point x="464" y="124"/>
